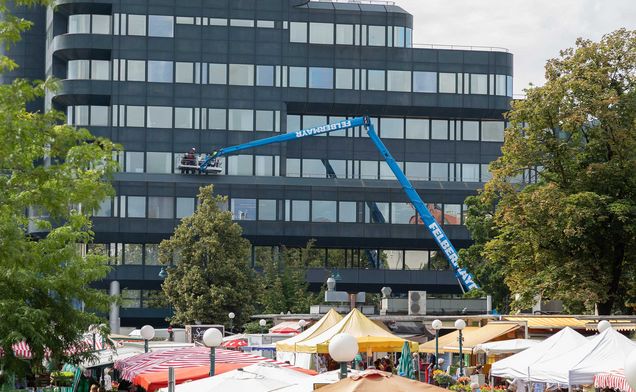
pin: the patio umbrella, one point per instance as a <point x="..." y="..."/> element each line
<point x="405" y="369"/>
<point x="378" y="381"/>
<point x="236" y="343"/>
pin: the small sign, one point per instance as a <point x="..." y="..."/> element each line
<point x="194" y="333"/>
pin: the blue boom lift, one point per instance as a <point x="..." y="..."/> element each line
<point x="210" y="164"/>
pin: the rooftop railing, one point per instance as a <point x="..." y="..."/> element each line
<point x="377" y="2"/>
<point x="461" y="47"/>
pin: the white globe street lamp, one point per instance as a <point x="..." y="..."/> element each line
<point x="262" y="323"/>
<point x="212" y="338"/>
<point x="460" y="325"/>
<point x="301" y="324"/>
<point x="437" y="325"/>
<point x="343" y="348"/>
<point x="231" y="316"/>
<point x="630" y="369"/>
<point x="603" y="325"/>
<point x="147" y="333"/>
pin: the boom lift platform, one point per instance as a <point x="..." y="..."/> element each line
<point x="210" y="163"/>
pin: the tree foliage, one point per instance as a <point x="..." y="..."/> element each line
<point x="572" y="235"/>
<point x="59" y="174"/>
<point x="212" y="275"/>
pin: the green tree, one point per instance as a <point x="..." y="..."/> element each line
<point x="60" y="175"/>
<point x="212" y="276"/>
<point x="572" y="235"/>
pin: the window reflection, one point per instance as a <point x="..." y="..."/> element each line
<point x="243" y="209"/>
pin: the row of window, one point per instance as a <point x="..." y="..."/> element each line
<point x="140" y="25"/>
<point x="159" y="71"/>
<point x="326" y="211"/>
<point x="349" y="34"/>
<point x="269" y="120"/>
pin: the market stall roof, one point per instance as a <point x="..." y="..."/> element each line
<point x="286" y="327"/>
<point x="445" y="340"/>
<point x="548" y="322"/>
<point x="604" y="353"/>
<point x="109" y="356"/>
<point x="516" y="366"/>
<point x="330" y="319"/>
<point x="612" y="380"/>
<point x="378" y="381"/>
<point x="370" y="336"/>
<point x="511" y="346"/>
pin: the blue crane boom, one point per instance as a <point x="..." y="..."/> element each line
<point x="463" y="276"/>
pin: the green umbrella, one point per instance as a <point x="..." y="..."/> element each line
<point x="405" y="369"/>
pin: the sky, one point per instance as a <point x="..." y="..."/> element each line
<point x="533" y="30"/>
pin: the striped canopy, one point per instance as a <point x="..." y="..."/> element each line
<point x="23" y="350"/>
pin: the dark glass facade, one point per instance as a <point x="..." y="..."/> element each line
<point x="161" y="77"/>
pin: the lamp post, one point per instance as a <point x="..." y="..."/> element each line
<point x="212" y="338"/>
<point x="148" y="333"/>
<point x="262" y="323"/>
<point x="231" y="316"/>
<point x="302" y="324"/>
<point x="460" y="325"/>
<point x="437" y="325"/>
<point x="603" y="325"/>
<point x="343" y="348"/>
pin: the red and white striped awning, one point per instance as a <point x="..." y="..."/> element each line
<point x="615" y="380"/>
<point x="23" y="350"/>
<point x="160" y="361"/>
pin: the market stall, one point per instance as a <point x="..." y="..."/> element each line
<point x="614" y="380"/>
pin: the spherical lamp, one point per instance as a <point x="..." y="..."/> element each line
<point x="212" y="338"/>
<point x="147" y="333"/>
<point x="231" y="315"/>
<point x="460" y="324"/>
<point x="302" y="324"/>
<point x="603" y="325"/>
<point x="437" y="325"/>
<point x="630" y="369"/>
<point x="343" y="348"/>
<point x="262" y="323"/>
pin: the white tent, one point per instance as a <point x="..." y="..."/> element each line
<point x="606" y="352"/>
<point x="510" y="346"/>
<point x="517" y="366"/>
<point x="260" y="377"/>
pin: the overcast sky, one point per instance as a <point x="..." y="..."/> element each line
<point x="533" y="30"/>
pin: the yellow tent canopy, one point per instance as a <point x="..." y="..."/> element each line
<point x="446" y="340"/>
<point x="472" y="337"/>
<point x="327" y="321"/>
<point x="370" y="336"/>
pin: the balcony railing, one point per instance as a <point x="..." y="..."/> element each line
<point x="462" y="47"/>
<point x="377" y="2"/>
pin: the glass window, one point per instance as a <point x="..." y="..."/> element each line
<point x="300" y="210"/>
<point x="398" y="37"/>
<point x="160" y="207"/>
<point x="347" y="211"/>
<point x="100" y="69"/>
<point x="452" y="214"/>
<point x="293" y="167"/>
<point x="136" y="207"/>
<point x="417" y="171"/>
<point x="500" y="85"/>
<point x="376" y="80"/>
<point x="439" y="171"/>
<point x="240" y="165"/>
<point x="344" y="34"/>
<point x="218" y="74"/>
<point x="314" y="168"/>
<point x="321" y="33"/>
<point x="160" y="71"/>
<point x="185" y="206"/>
<point x="183" y="118"/>
<point x="478" y="84"/>
<point x="415" y="259"/>
<point x="392" y="259"/>
<point x="158" y="162"/>
<point x="160" y="26"/>
<point x="217" y="119"/>
<point x="99" y="115"/>
<point x="293" y="122"/>
<point x="242" y="22"/>
<point x="78" y="69"/>
<point x="135" y="116"/>
<point x="243" y="209"/>
<point x="185" y="20"/>
<point x="447" y="83"/>
<point x="298" y="32"/>
<point x="417" y="128"/>
<point x="492" y="131"/>
<point x="409" y="38"/>
<point x="184" y="72"/>
<point x="320" y="77"/>
<point x="376" y="212"/>
<point x="314" y="121"/>
<point x="436" y="210"/>
<point x="267" y="210"/>
<point x="339" y="168"/>
<point x="399" y="81"/>
<point x="369" y="170"/>
<point x="509" y="86"/>
<point x="470" y="130"/>
<point x="105" y="209"/>
<point x="265" y="75"/>
<point x="134" y="162"/>
<point x="159" y="117"/>
<point x="242" y="74"/>
<point x="136" y="70"/>
<point x="439" y="129"/>
<point x="377" y="36"/>
<point x="79" y="24"/>
<point x="344" y="78"/>
<point x="133" y="254"/>
<point x="151" y="254"/>
<point x="298" y="77"/>
<point x="264" y="165"/>
<point x="241" y="120"/>
<point x="385" y="170"/>
<point x="82" y="114"/>
<point x="266" y="24"/>
<point x="264" y="120"/>
<point x="424" y="82"/>
<point x="136" y="24"/>
<point x="470" y="172"/>
<point x="323" y="211"/>
<point x="392" y="128"/>
<point x="403" y="213"/>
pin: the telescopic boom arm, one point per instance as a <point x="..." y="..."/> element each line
<point x="465" y="278"/>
